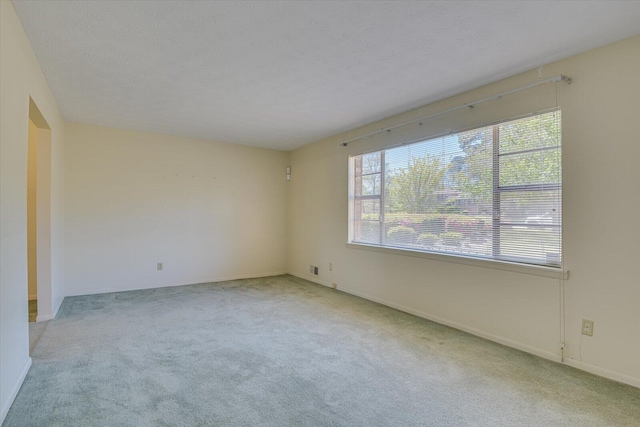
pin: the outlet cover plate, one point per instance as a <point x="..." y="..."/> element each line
<point x="587" y="327"/>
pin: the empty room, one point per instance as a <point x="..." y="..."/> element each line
<point x="318" y="213"/>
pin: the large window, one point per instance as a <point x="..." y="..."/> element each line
<point x="492" y="192"/>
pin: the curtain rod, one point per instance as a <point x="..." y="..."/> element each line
<point x="555" y="79"/>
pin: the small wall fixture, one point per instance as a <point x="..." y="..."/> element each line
<point x="288" y="169"/>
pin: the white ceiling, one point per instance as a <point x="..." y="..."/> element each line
<point x="283" y="74"/>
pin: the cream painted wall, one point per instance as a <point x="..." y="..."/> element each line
<point x="43" y="220"/>
<point x="39" y="214"/>
<point x="208" y="211"/>
<point x="21" y="78"/>
<point x="32" y="179"/>
<point x="601" y="128"/>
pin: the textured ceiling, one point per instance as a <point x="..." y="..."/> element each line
<point x="283" y="74"/>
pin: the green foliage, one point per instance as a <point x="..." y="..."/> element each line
<point x="473" y="172"/>
<point x="539" y="167"/>
<point x="434" y="224"/>
<point x="534" y="132"/>
<point x="463" y="224"/>
<point x="398" y="217"/>
<point x="401" y="235"/>
<point x="427" y="239"/>
<point x="412" y="190"/>
<point x="448" y="208"/>
<point x="370" y="216"/>
<point x="438" y="223"/>
<point x="537" y="132"/>
<point x="451" y="238"/>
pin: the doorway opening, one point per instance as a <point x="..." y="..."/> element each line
<point x="39" y="216"/>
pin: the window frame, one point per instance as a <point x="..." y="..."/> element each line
<point x="353" y="175"/>
<point x="494" y="260"/>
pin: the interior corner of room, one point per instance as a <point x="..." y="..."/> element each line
<point x="91" y="209"/>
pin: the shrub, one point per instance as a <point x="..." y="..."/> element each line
<point x="451" y="238"/>
<point x="434" y="224"/>
<point x="467" y="226"/>
<point x="398" y="217"/>
<point x="405" y="221"/>
<point x="427" y="239"/>
<point x="370" y="217"/>
<point x="401" y="235"/>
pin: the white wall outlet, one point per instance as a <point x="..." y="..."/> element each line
<point x="587" y="327"/>
<point x="330" y="266"/>
<point x="159" y="266"/>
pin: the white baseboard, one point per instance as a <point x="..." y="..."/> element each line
<point x="592" y="369"/>
<point x="477" y="332"/>
<point x="602" y="372"/>
<point x="473" y="331"/>
<point x="14" y="392"/>
<point x="33" y="297"/>
<point x="46" y="317"/>
<point x="199" y="282"/>
<point x="247" y="276"/>
<point x="56" y="307"/>
<point x="313" y="278"/>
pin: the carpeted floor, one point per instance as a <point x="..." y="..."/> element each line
<point x="36" y="330"/>
<point x="281" y="351"/>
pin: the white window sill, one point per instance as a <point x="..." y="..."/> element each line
<point x="555" y="273"/>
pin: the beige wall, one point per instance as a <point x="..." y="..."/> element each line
<point x="601" y="128"/>
<point x="43" y="235"/>
<point x="32" y="178"/>
<point x="208" y="211"/>
<point x="21" y="78"/>
<point x="39" y="214"/>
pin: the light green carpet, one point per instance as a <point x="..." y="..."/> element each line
<point x="36" y="330"/>
<point x="281" y="351"/>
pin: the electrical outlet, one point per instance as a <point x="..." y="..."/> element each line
<point x="315" y="270"/>
<point x="587" y="327"/>
<point x="330" y="266"/>
<point x="159" y="266"/>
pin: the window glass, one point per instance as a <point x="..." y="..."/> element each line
<point x="491" y="192"/>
